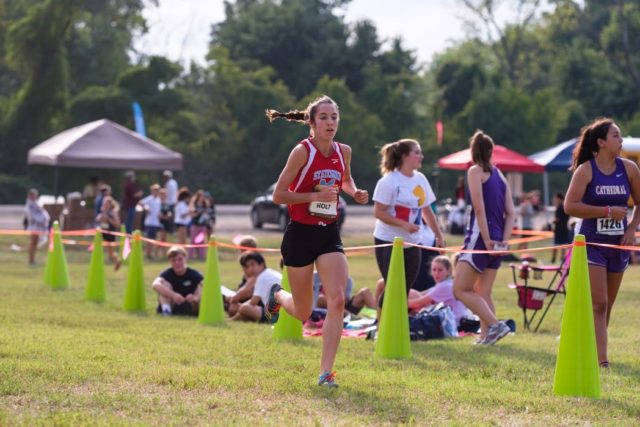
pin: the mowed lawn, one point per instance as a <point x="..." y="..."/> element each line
<point x="66" y="361"/>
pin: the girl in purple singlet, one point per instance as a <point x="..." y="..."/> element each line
<point x="599" y="192"/>
<point x="490" y="225"/>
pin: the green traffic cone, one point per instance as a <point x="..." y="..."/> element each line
<point x="134" y="295"/>
<point x="287" y="327"/>
<point x="393" y="334"/>
<point x="48" y="266"/>
<point x="56" y="272"/>
<point x="123" y="230"/>
<point x="211" y="307"/>
<point x="577" y="372"/>
<point x="96" y="290"/>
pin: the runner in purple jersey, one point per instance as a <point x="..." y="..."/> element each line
<point x="490" y="227"/>
<point x="599" y="192"/>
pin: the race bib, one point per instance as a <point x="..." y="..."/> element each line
<point x="327" y="210"/>
<point x="609" y="227"/>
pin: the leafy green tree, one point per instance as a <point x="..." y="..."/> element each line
<point x="36" y="51"/>
<point x="363" y="52"/>
<point x="456" y="77"/>
<point x="621" y="41"/>
<point x="239" y="151"/>
<point x="508" y="42"/>
<point x="513" y="118"/>
<point x="300" y="39"/>
<point x="98" y="102"/>
<point x="100" y="40"/>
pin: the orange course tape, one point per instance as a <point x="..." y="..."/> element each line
<point x="351" y="251"/>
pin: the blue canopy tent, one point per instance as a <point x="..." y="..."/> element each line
<point x="558" y="158"/>
<point x="554" y="159"/>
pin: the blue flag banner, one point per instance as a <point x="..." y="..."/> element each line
<point x="138" y="119"/>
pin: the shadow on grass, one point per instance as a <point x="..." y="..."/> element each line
<point x="361" y="403"/>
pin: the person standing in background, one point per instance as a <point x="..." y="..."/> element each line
<point x="132" y="194"/>
<point x="152" y="206"/>
<point x="166" y="216"/>
<point x="171" y="185"/>
<point x="211" y="212"/>
<point x="37" y="222"/>
<point x="109" y="220"/>
<point x="199" y="210"/>
<point x="527" y="212"/>
<point x="90" y="191"/>
<point x="182" y="216"/>
<point x="104" y="191"/>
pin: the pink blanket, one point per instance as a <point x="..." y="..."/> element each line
<point x="347" y="333"/>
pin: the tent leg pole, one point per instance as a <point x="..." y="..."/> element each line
<point x="545" y="185"/>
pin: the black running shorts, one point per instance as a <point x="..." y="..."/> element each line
<point x="302" y="244"/>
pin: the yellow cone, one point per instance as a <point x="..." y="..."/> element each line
<point x="56" y="272"/>
<point x="393" y="340"/>
<point x="211" y="307"/>
<point x="577" y="372"/>
<point x="287" y="327"/>
<point x="95" y="290"/>
<point x="134" y="295"/>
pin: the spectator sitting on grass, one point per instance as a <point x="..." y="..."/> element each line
<point x="352" y="304"/>
<point x="245" y="288"/>
<point x="254" y="265"/>
<point x="441" y="271"/>
<point x="179" y="287"/>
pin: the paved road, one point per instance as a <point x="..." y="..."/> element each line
<point x="11" y="217"/>
<point x="231" y="220"/>
<point x="234" y="219"/>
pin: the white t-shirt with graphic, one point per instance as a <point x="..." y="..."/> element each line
<point x="181" y="213"/>
<point x="154" y="206"/>
<point x="265" y="280"/>
<point x="406" y="197"/>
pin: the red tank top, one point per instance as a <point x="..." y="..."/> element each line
<point x="319" y="170"/>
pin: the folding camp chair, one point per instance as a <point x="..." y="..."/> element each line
<point x="532" y="298"/>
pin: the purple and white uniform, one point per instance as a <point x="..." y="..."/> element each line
<point x="493" y="195"/>
<point x="606" y="190"/>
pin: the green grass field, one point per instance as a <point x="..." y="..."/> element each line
<point x="65" y="361"/>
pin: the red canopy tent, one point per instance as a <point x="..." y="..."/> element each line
<point x="506" y="160"/>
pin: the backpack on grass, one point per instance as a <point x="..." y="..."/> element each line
<point x="434" y="322"/>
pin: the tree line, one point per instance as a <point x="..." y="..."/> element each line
<point x="530" y="84"/>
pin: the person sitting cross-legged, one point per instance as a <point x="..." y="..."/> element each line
<point x="179" y="287"/>
<point x="255" y="267"/>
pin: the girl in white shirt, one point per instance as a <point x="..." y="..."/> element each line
<point x="182" y="216"/>
<point x="152" y="206"/>
<point x="401" y="201"/>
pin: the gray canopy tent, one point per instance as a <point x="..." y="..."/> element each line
<point x="106" y="145"/>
